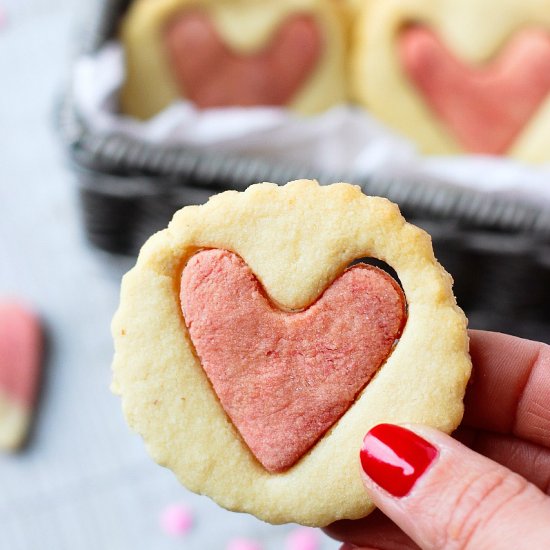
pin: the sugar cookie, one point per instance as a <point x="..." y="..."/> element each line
<point x="435" y="70"/>
<point x="21" y="349"/>
<point x="239" y="340"/>
<point x="223" y="53"/>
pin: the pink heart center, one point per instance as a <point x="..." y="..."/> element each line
<point x="212" y="75"/>
<point x="284" y="378"/>
<point x="485" y="108"/>
<point x="20" y="354"/>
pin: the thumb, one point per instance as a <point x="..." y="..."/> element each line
<point x="443" y="495"/>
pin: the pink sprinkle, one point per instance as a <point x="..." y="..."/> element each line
<point x="303" y="538"/>
<point x="243" y="544"/>
<point x="176" y="520"/>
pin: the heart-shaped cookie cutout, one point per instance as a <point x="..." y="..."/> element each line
<point x="484" y="107"/>
<point x="210" y="74"/>
<point x="20" y="369"/>
<point x="284" y="378"/>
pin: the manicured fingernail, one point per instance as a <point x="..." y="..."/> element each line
<point x="394" y="458"/>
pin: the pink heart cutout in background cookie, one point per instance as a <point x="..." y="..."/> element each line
<point x="486" y="107"/>
<point x="284" y="378"/>
<point x="212" y="75"/>
<point x="20" y="371"/>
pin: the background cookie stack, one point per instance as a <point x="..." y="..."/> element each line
<point x="431" y="69"/>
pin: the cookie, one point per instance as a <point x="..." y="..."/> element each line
<point x="434" y="70"/>
<point x="21" y="349"/>
<point x="252" y="354"/>
<point x="288" y="53"/>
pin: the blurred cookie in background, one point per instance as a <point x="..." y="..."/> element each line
<point x="458" y="76"/>
<point x="21" y="350"/>
<point x="230" y="53"/>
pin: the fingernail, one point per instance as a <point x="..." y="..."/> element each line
<point x="394" y="458"/>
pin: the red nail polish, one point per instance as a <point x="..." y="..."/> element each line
<point x="394" y="458"/>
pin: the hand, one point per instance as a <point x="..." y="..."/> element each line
<point x="456" y="498"/>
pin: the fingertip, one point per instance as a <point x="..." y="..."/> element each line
<point x="458" y="493"/>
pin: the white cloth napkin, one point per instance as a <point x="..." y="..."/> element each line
<point x="343" y="140"/>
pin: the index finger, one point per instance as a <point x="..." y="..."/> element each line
<point x="510" y="388"/>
